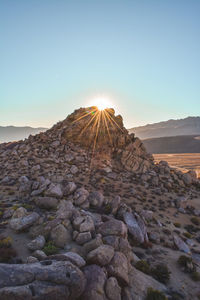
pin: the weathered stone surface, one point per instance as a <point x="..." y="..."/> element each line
<point x="140" y="282"/>
<point x="83" y="237"/>
<point x="113" y="227"/>
<point x="54" y="190"/>
<point x="96" y="199"/>
<point x="118" y="268"/>
<point x="39" y="254"/>
<point x="84" y="223"/>
<point x="180" y="244"/>
<point x="19" y="213"/>
<point x="101" y="255"/>
<point x="73" y="257"/>
<point x="134" y="228"/>
<point x="37" y="243"/>
<point x="20" y="224"/>
<point x="93" y="244"/>
<point x="96" y="279"/>
<point x="65" y="210"/>
<point x="46" y="202"/>
<point x="46" y="280"/>
<point x="113" y="290"/>
<point x="80" y="196"/>
<point x="31" y="259"/>
<point x="69" y="188"/>
<point x="60" y="236"/>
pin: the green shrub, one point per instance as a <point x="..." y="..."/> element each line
<point x="195" y="221"/>
<point x="27" y="206"/>
<point x="178" y="225"/>
<point x="143" y="266"/>
<point x="187" y="235"/>
<point x="155" y="295"/>
<point x="161" y="273"/>
<point x="186" y="262"/>
<point x="5" y="243"/>
<point x="50" y="248"/>
<point x="15" y="207"/>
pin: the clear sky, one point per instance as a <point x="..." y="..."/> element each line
<point x="56" y="55"/>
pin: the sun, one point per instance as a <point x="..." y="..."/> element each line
<point x="101" y="103"/>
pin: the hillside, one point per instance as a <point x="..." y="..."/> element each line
<point x="187" y="126"/>
<point x="14" y="133"/>
<point x="173" y="144"/>
<point x="86" y="214"/>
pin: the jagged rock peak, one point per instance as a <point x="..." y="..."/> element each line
<point x="103" y="132"/>
<point x="92" y="128"/>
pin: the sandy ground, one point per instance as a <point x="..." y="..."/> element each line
<point x="182" y="161"/>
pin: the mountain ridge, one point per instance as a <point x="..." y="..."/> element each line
<point x="12" y="133"/>
<point x="172" y="127"/>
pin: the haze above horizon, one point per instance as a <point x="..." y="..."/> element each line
<point x="57" y="56"/>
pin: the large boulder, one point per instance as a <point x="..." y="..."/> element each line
<point x="113" y="227"/>
<point x="118" y="268"/>
<point x="96" y="279"/>
<point x="101" y="255"/>
<point x="180" y="244"/>
<point x="46" y="202"/>
<point x="136" y="227"/>
<point x="80" y="196"/>
<point x="20" y="224"/>
<point x="96" y="199"/>
<point x="113" y="290"/>
<point x="60" y="236"/>
<point x="54" y="190"/>
<point x="36" y="244"/>
<point x="46" y="280"/>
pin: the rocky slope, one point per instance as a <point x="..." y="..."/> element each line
<point x="86" y="214"/>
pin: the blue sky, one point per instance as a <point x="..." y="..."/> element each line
<point x="56" y="56"/>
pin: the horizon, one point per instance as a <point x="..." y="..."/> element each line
<point x="26" y="126"/>
<point x="58" y="56"/>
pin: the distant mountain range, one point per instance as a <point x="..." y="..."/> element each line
<point x="13" y="133"/>
<point x="187" y="126"/>
<point x="173" y="144"/>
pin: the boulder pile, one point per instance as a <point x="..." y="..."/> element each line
<point x="81" y="204"/>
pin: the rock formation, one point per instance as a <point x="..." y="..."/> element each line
<point x="83" y="212"/>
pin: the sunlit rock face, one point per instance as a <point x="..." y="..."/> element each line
<point x="104" y="134"/>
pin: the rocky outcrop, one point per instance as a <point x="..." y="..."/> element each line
<point x="78" y="206"/>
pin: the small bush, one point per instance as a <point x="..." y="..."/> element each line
<point x="50" y="248"/>
<point x="15" y="207"/>
<point x="191" y="228"/>
<point x="187" y="235"/>
<point x="195" y="276"/>
<point x="161" y="273"/>
<point x="143" y="266"/>
<point x="5" y="243"/>
<point x="178" y="225"/>
<point x="27" y="206"/>
<point x="195" y="221"/>
<point x="155" y="295"/>
<point x="186" y="262"/>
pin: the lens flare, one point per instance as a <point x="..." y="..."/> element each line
<point x="101" y="103"/>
